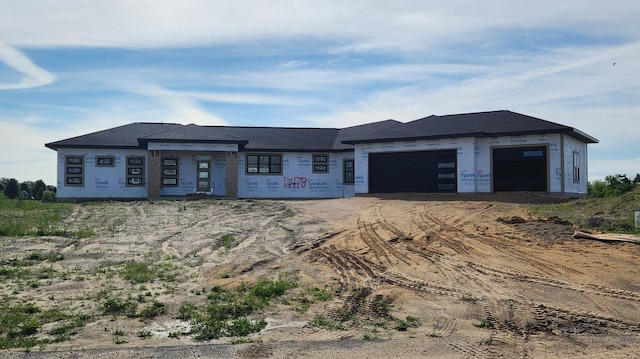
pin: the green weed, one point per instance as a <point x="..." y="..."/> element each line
<point x="34" y="218"/>
<point x="21" y="322"/>
<point x="144" y="334"/>
<point x="229" y="310"/>
<point x="119" y="306"/>
<point x="144" y="272"/>
<point x="370" y="334"/>
<point x="226" y="240"/>
<point x="153" y="310"/>
<point x="320" y="321"/>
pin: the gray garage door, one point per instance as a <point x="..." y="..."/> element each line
<point x="420" y="171"/>
<point x="520" y="169"/>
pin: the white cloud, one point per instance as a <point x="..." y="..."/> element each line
<point x="32" y="161"/>
<point x="34" y="76"/>
<point x="361" y="25"/>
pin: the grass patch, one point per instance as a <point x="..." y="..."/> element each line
<point x="152" y="310"/>
<point x="20" y="323"/>
<point x="145" y="272"/>
<point x="119" y="306"/>
<point x="227" y="240"/>
<point x="381" y="306"/>
<point x="230" y="311"/>
<point x="609" y="214"/>
<point x="34" y="218"/>
<point x="320" y="321"/>
<point x="370" y="334"/>
<point x="310" y="296"/>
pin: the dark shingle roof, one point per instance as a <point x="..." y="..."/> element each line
<point x="192" y="133"/>
<point x="480" y="124"/>
<point x="123" y="136"/>
<point x="362" y="130"/>
<point x="284" y="138"/>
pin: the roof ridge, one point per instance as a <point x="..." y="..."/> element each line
<point x="159" y="132"/>
<point x="276" y="127"/>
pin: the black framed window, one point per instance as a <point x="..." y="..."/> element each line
<point x="170" y="171"/>
<point x="348" y="171"/>
<point x="74" y="171"/>
<point x="320" y="163"/>
<point x="105" y="161"/>
<point x="576" y="167"/>
<point x="135" y="171"/>
<point x="263" y="164"/>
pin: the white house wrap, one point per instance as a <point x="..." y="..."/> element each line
<point x="464" y="153"/>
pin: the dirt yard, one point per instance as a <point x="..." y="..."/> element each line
<point x="484" y="277"/>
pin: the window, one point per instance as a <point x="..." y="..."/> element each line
<point x="135" y="171"/>
<point x="170" y="172"/>
<point x="105" y="161"/>
<point x="576" y="167"/>
<point x="533" y="153"/>
<point x="320" y="163"/>
<point x="348" y="173"/>
<point x="264" y="164"/>
<point x="74" y="171"/>
<point x="446" y="165"/>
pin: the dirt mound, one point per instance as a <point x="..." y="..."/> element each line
<point x="408" y="276"/>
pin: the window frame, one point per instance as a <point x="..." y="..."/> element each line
<point x="344" y="171"/>
<point x="318" y="161"/>
<point x="135" y="171"/>
<point x="73" y="163"/>
<point x="259" y="164"/>
<point x="576" y="167"/>
<point x="111" y="158"/>
<point x="170" y="179"/>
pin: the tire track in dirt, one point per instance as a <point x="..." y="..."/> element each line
<point x="575" y="322"/>
<point x="538" y="279"/>
<point x="380" y="248"/>
<point x="454" y="237"/>
<point x="347" y="278"/>
<point x="426" y="221"/>
<point x="304" y="246"/>
<point x="511" y="317"/>
<point x="437" y="230"/>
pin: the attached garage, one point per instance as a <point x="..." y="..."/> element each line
<point x="419" y="172"/>
<point x="520" y="169"/>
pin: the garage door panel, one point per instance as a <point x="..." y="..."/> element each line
<point x="422" y="172"/>
<point x="520" y="169"/>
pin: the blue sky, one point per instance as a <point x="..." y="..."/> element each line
<point x="72" y="67"/>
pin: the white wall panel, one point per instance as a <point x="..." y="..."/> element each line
<point x="100" y="182"/>
<point x="297" y="179"/>
<point x="570" y="145"/>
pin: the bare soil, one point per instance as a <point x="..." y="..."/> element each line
<point x="486" y="278"/>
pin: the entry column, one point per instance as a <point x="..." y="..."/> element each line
<point x="231" y="169"/>
<point x="154" y="177"/>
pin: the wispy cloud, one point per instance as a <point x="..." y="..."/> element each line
<point x="357" y="25"/>
<point x="32" y="75"/>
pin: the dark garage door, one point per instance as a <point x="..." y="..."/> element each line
<point x="520" y="169"/>
<point x="422" y="172"/>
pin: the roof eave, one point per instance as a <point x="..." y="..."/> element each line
<point x="575" y="133"/>
<point x="55" y="147"/>
<point x="412" y="138"/>
<point x="234" y="142"/>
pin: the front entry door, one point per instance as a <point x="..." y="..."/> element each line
<point x="204" y="184"/>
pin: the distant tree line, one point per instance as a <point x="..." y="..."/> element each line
<point x="28" y="190"/>
<point x="613" y="186"/>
